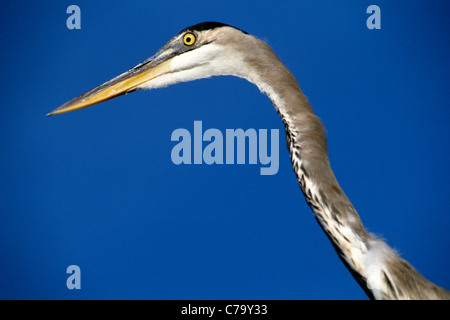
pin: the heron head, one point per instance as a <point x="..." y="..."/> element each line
<point x="200" y="51"/>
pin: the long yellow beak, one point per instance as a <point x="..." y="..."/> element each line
<point x="122" y="84"/>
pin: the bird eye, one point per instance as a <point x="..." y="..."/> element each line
<point x="189" y="39"/>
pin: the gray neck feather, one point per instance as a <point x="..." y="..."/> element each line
<point x="376" y="267"/>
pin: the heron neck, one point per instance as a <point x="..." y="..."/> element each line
<point x="376" y="267"/>
<point x="307" y="144"/>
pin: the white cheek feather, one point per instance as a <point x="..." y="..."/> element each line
<point x="194" y="58"/>
<point x="204" y="62"/>
<point x="176" y="77"/>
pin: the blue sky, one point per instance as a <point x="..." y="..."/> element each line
<point x="97" y="188"/>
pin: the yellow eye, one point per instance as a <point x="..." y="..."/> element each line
<point x="189" y="39"/>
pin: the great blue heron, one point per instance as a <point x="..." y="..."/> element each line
<point x="215" y="49"/>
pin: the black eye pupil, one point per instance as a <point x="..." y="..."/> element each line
<point x="188" y="39"/>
